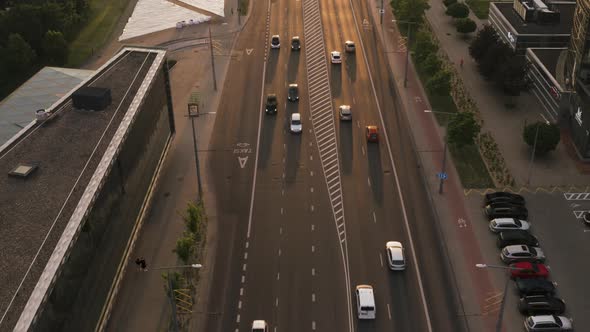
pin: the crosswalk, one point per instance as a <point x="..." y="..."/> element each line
<point x="322" y="114"/>
<point x="577" y="196"/>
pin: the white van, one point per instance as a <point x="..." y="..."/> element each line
<point x="365" y="302"/>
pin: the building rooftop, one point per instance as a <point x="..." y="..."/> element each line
<point x="42" y="90"/>
<point x="72" y="150"/>
<point x="549" y="58"/>
<point x="564" y="26"/>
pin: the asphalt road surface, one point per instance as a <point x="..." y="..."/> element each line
<point x="296" y="233"/>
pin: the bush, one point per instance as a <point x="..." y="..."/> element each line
<point x="431" y="64"/>
<point x="462" y="129"/>
<point x="185" y="247"/>
<point x="440" y="83"/>
<point x="547" y="138"/>
<point x="458" y="10"/>
<point x="423" y="46"/>
<point x="448" y="3"/>
<point x="485" y="38"/>
<point x="466" y="25"/>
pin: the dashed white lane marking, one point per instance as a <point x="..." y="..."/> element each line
<point x="283" y="192"/>
<point x="311" y="189"/>
<point x="282" y="210"/>
<point x="310" y="143"/>
<point x="279" y="251"/>
<point x="245" y="255"/>
<point x="277" y="302"/>
<point x="312" y="208"/>
<point x="247" y="244"/>
<point x="281" y="230"/>
<point x="313" y="271"/>
<point x="312" y="248"/>
<point x="369" y="181"/>
<point x="240" y="304"/>
<point x="243" y="278"/>
<point x="310" y="173"/>
<point x="313" y="325"/>
<point x="238" y="318"/>
<point x="312" y="297"/>
<point x="278" y="275"/>
<point x="283" y="160"/>
<point x="381" y="259"/>
<point x="388" y="311"/>
<point x="312" y="227"/>
<point x="363" y="150"/>
<point x="241" y="291"/>
<point x="284" y="146"/>
<point x="358" y="124"/>
<point x="374" y="217"/>
<point x="310" y="157"/>
<point x="244" y="267"/>
<point x="283" y="175"/>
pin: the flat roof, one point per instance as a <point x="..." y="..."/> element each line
<point x="549" y="58"/>
<point x="564" y="27"/>
<point x="46" y="87"/>
<point x="41" y="214"/>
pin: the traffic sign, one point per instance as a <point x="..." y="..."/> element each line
<point x="442" y="176"/>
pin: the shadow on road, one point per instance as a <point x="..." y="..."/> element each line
<point x="292" y="160"/>
<point x="266" y="138"/>
<point x="375" y="172"/>
<point x="346" y="145"/>
<point x="336" y="79"/>
<point x="351" y="67"/>
<point x="271" y="68"/>
<point x="293" y="66"/>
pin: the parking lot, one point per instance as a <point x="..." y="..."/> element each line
<point x="556" y="221"/>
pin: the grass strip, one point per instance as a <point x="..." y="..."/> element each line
<point x="479" y="7"/>
<point x="104" y="15"/>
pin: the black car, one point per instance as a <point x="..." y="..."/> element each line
<point x="504" y="210"/>
<point x="534" y="305"/>
<point x="271" y="104"/>
<point x="586" y="218"/>
<point x="295" y="43"/>
<point x="504" y="197"/>
<point x="528" y="287"/>
<point x="508" y="238"/>
<point x="293" y="92"/>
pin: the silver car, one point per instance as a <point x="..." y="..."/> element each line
<point x="345" y="113"/>
<point x="522" y="253"/>
<point x="508" y="224"/>
<point x="548" y="323"/>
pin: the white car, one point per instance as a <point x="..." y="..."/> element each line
<point x="345" y="113"/>
<point x="522" y="253"/>
<point x="259" y="326"/>
<point x="395" y="256"/>
<point x="295" y="125"/>
<point x="365" y="302"/>
<point x="508" y="224"/>
<point x="548" y="323"/>
<point x="275" y="41"/>
<point x="349" y="46"/>
<point x="336" y="57"/>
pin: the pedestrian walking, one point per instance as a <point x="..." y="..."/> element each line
<point x="141" y="264"/>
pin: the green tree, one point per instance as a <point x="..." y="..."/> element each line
<point x="410" y="10"/>
<point x="462" y="129"/>
<point x="185" y="247"/>
<point x="18" y="55"/>
<point x="55" y="48"/>
<point x="511" y="75"/>
<point x="458" y="10"/>
<point x="547" y="138"/>
<point x="431" y="64"/>
<point x="466" y="25"/>
<point x="423" y="46"/>
<point x="440" y="83"/>
<point x="496" y="54"/>
<point x="447" y="3"/>
<point x="485" y="38"/>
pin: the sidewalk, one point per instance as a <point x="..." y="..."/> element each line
<point x="505" y="124"/>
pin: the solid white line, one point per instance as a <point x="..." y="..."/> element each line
<point x="258" y="138"/>
<point x="363" y="149"/>
<point x="399" y="190"/>
<point x="381" y="259"/>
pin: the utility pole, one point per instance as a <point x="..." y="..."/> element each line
<point x="382" y="12"/>
<point x="212" y="59"/>
<point x="196" y="156"/>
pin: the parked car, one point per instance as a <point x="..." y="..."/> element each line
<point x="504" y="210"/>
<point x="528" y="287"/>
<point x="349" y="46"/>
<point x="295" y="43"/>
<point x="345" y="113"/>
<point x="295" y="124"/>
<point x="503" y="224"/>
<point x="521" y="253"/>
<point x="335" y="57"/>
<point x="504" y="197"/>
<point x="271" y="104"/>
<point x="396" y="258"/>
<point x="528" y="270"/>
<point x="512" y="237"/>
<point x="372" y="133"/>
<point x="548" y="323"/>
<point x="541" y="305"/>
<point x="275" y="41"/>
<point x="293" y="92"/>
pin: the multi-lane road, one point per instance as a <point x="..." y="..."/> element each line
<point x="304" y="218"/>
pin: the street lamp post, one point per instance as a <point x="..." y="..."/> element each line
<point x="171" y="291"/>
<point x="409" y="23"/>
<point x="444" y="158"/>
<point x="502" y="305"/>
<point x="528" y="180"/>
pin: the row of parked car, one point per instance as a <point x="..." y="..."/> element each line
<point x="508" y="215"/>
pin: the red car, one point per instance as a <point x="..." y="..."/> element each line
<point x="372" y="133"/>
<point x="528" y="270"/>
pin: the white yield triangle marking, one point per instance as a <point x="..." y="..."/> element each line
<point x="249" y="51"/>
<point x="243" y="161"/>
